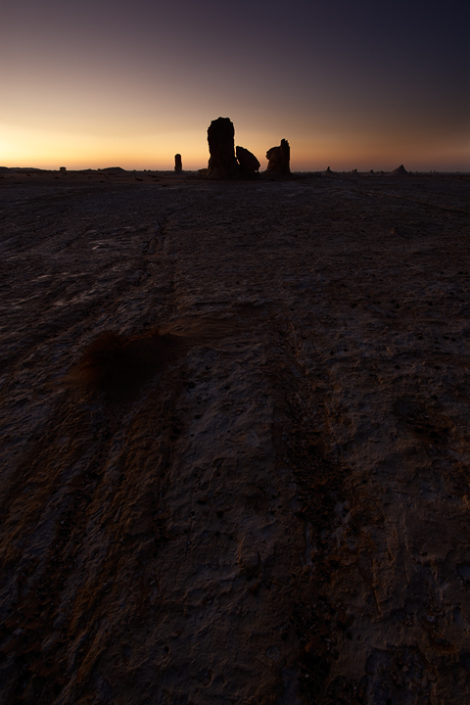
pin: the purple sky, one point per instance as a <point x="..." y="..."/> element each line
<point x="130" y="82"/>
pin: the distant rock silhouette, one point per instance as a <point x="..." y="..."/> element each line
<point x="249" y="164"/>
<point x="222" y="162"/>
<point x="400" y="170"/>
<point x="178" y="164"/>
<point x="279" y="159"/>
<point x="112" y="170"/>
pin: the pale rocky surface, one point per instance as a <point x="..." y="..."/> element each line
<point x="281" y="515"/>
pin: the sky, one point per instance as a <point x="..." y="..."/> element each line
<point x="350" y="83"/>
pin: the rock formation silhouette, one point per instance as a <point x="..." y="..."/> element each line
<point x="400" y="170"/>
<point x="279" y="159"/>
<point x="247" y="161"/>
<point x="222" y="162"/>
<point x="178" y="164"/>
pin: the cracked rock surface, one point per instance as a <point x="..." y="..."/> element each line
<point x="269" y="503"/>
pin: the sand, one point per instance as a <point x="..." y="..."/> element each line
<point x="266" y="501"/>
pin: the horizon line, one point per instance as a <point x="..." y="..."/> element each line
<point x="329" y="168"/>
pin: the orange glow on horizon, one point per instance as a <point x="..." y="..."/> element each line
<point x="36" y="147"/>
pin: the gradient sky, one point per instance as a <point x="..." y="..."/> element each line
<point x="351" y="84"/>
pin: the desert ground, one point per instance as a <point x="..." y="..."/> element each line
<point x="236" y="455"/>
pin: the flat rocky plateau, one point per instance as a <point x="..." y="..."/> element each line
<point x="254" y="488"/>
